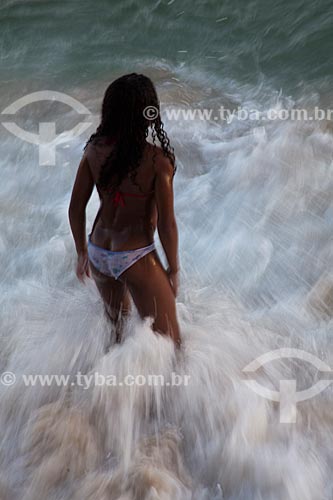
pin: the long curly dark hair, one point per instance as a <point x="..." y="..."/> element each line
<point x="130" y="107"/>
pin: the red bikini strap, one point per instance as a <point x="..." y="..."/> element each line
<point x="135" y="195"/>
<point x="118" y="199"/>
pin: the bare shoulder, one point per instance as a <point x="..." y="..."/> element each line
<point x="90" y="151"/>
<point x="162" y="164"/>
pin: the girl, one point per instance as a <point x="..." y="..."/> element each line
<point x="134" y="180"/>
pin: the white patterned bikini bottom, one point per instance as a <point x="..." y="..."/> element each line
<point x="115" y="263"/>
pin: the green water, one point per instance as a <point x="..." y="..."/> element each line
<point x="287" y="44"/>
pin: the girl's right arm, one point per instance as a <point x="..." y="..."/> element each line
<point x="166" y="222"/>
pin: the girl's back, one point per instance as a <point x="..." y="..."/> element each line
<point x="130" y="212"/>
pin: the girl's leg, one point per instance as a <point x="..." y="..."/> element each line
<point x="152" y="294"/>
<point x="116" y="299"/>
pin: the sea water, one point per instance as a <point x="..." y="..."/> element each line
<point x="253" y="201"/>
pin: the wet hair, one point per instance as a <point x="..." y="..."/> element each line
<point x="130" y="107"/>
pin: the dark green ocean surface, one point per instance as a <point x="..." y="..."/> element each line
<point x="288" y="44"/>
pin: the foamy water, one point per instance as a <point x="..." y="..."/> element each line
<point x="254" y="209"/>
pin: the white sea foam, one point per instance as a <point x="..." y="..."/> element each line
<point x="255" y="222"/>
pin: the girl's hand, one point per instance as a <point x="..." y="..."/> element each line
<point x="82" y="266"/>
<point x="174" y="280"/>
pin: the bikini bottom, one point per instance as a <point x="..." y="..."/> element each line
<point x="115" y="263"/>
